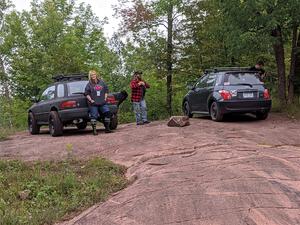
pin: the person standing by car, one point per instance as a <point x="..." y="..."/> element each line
<point x="259" y="68"/>
<point x="138" y="92"/>
<point x="96" y="93"/>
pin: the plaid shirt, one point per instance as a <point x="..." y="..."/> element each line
<point x="137" y="90"/>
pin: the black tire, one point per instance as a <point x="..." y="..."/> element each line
<point x="215" y="113"/>
<point x="186" y="109"/>
<point x="113" y="122"/>
<point x="55" y="124"/>
<point x="261" y="115"/>
<point x="33" y="127"/>
<point x="81" y="126"/>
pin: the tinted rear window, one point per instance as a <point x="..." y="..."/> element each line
<point x="241" y="78"/>
<point x="76" y="87"/>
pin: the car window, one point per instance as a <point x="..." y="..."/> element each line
<point x="241" y="78"/>
<point x="201" y="83"/>
<point x="218" y="80"/>
<point x="60" y="90"/>
<point x="211" y="80"/>
<point x="48" y="94"/>
<point x="76" y="87"/>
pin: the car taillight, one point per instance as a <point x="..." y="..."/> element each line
<point x="266" y="94"/>
<point x="226" y="95"/>
<point x="68" y="104"/>
<point x="111" y="99"/>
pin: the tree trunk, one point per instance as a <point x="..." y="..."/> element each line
<point x="4" y="85"/>
<point x="279" y="56"/>
<point x="296" y="81"/>
<point x="3" y="79"/>
<point x="293" y="65"/>
<point x="169" y="59"/>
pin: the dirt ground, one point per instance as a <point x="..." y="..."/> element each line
<point x="240" y="171"/>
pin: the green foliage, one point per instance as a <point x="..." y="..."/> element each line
<point x="55" y="37"/>
<point x="54" y="189"/>
<point x="13" y="112"/>
<point x="293" y="110"/>
<point x="13" y="117"/>
<point x="5" y="132"/>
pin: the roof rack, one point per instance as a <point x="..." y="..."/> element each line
<point x="223" y="69"/>
<point x="70" y="77"/>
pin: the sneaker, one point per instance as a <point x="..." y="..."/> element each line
<point x="146" y="122"/>
<point x="140" y="123"/>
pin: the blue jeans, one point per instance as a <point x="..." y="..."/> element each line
<point x="94" y="111"/>
<point x="140" y="110"/>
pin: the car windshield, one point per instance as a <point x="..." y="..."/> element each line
<point x="242" y="79"/>
<point x="76" y="87"/>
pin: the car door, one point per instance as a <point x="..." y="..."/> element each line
<point x="196" y="95"/>
<point x="207" y="89"/>
<point x="43" y="107"/>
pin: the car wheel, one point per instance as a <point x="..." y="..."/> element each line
<point x="186" y="109"/>
<point x="33" y="127"/>
<point x="261" y="115"/>
<point x="113" y="122"/>
<point x="81" y="126"/>
<point x="55" y="125"/>
<point x="215" y="113"/>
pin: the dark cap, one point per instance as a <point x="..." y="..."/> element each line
<point x="137" y="73"/>
<point x="260" y="62"/>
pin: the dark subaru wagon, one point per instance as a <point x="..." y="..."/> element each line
<point x="222" y="91"/>
<point x="63" y="103"/>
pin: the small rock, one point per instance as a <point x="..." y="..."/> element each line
<point x="132" y="179"/>
<point x="178" y="121"/>
<point x="23" y="195"/>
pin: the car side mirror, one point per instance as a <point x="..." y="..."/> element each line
<point x="34" y="99"/>
<point x="35" y="93"/>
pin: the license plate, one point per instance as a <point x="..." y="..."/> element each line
<point x="248" y="95"/>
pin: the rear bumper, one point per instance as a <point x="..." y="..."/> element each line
<point x="245" y="106"/>
<point x="74" y="114"/>
<point x="68" y="115"/>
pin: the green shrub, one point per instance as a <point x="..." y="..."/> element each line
<point x="54" y="189"/>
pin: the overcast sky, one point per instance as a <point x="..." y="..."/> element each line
<point x="102" y="8"/>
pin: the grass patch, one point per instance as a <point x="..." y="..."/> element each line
<point x="292" y="110"/>
<point x="276" y="107"/>
<point x="46" y="192"/>
<point x="5" y="132"/>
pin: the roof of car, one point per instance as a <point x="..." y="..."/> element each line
<point x="228" y="69"/>
<point x="70" y="77"/>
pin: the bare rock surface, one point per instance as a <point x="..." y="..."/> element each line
<point x="240" y="171"/>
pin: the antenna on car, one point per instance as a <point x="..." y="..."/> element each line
<point x="70" y="77"/>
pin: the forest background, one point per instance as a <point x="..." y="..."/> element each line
<point x="171" y="41"/>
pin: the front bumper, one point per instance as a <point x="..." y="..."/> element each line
<point x="242" y="106"/>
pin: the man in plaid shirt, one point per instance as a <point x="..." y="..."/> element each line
<point x="138" y="91"/>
